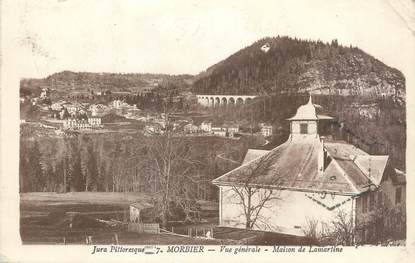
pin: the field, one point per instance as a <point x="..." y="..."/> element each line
<point x="69" y="218"/>
<point x="100" y="198"/>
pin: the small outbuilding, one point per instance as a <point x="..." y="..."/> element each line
<point x="136" y="210"/>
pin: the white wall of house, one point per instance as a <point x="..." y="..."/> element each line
<point x="134" y="214"/>
<point x="206" y="126"/>
<point x="297" y="133"/>
<point x="288" y="215"/>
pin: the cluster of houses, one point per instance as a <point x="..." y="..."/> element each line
<point x="225" y="130"/>
<point x="313" y="180"/>
<point x="230" y="130"/>
<point x="81" y="116"/>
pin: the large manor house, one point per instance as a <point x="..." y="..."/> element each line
<point x="313" y="178"/>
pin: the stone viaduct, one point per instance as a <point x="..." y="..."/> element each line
<point x="217" y="100"/>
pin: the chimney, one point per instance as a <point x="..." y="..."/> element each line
<point x="320" y="158"/>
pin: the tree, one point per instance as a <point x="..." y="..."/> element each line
<point x="170" y="164"/>
<point x="35" y="173"/>
<point x="337" y="231"/>
<point x="252" y="200"/>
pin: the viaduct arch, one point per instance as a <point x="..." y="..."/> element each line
<point x="218" y="100"/>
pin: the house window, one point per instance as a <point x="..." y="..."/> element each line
<point x="371" y="201"/>
<point x="380" y="200"/>
<point x="303" y="128"/>
<point x="398" y="195"/>
<point x="364" y="204"/>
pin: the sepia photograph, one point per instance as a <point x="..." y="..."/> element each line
<point x="208" y="127"/>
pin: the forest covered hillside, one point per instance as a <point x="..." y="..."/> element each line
<point x="68" y="81"/>
<point x="285" y="65"/>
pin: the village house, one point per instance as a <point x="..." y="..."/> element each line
<point x="231" y="129"/>
<point x="57" y="106"/>
<point x="206" y="127"/>
<point x="118" y="104"/>
<point x="191" y="128"/>
<point x="219" y="131"/>
<point x="226" y="130"/>
<point x="310" y="178"/>
<point x="73" y="108"/>
<point x="44" y="93"/>
<point x="95" y="121"/>
<point x="122" y="107"/>
<point x="266" y="130"/>
<point x="153" y="128"/>
<point x="92" y="122"/>
<point x="97" y="109"/>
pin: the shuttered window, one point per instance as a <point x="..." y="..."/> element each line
<point x="371" y="201"/>
<point x="303" y="128"/>
<point x="364" y="204"/>
<point x="398" y="195"/>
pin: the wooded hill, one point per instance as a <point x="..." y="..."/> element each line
<point x="293" y="65"/>
<point x="85" y="81"/>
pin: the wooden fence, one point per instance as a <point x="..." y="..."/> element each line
<point x="144" y="228"/>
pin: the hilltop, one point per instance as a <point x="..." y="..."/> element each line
<point x="285" y="65"/>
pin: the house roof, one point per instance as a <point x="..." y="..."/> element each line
<point x="141" y="204"/>
<point x="399" y="177"/>
<point x="305" y="112"/>
<point x="294" y="165"/>
<point x="252" y="154"/>
<point x="310" y="111"/>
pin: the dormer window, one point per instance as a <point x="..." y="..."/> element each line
<point x="303" y="128"/>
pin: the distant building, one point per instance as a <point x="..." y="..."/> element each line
<point x="153" y="129"/>
<point x="226" y="130"/>
<point x="93" y="122"/>
<point x="44" y="93"/>
<point x="97" y="109"/>
<point x="191" y="128"/>
<point x="57" y="106"/>
<point x="219" y="131"/>
<point x="206" y="126"/>
<point x="73" y="108"/>
<point x="232" y="128"/>
<point x="266" y="130"/>
<point x="117" y="104"/>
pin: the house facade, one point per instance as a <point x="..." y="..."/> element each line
<point x="206" y="126"/>
<point x="191" y="128"/>
<point x="381" y="214"/>
<point x="93" y="122"/>
<point x="306" y="179"/>
<point x="266" y="130"/>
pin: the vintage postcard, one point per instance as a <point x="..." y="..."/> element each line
<point x="175" y="131"/>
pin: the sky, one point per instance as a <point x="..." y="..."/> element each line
<point x="188" y="36"/>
